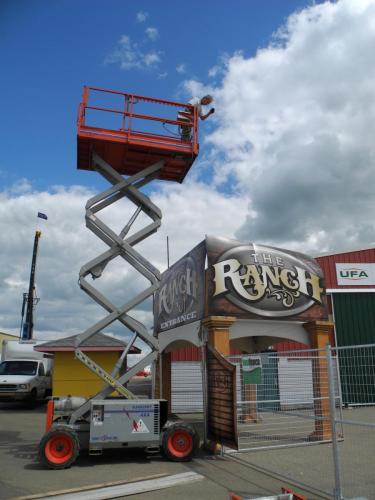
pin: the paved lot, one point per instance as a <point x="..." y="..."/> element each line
<point x="313" y="465"/>
<point x="21" y="474"/>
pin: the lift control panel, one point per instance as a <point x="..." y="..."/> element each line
<point x="126" y="422"/>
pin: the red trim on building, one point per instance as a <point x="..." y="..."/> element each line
<point x="193" y="353"/>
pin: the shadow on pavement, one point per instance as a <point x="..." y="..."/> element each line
<point x="20" y="406"/>
<point x="109" y="457"/>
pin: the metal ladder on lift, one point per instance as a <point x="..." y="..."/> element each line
<point x="120" y="245"/>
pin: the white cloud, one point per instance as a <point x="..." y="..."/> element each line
<point x="151" y="58"/>
<point x="141" y="16"/>
<point x="214" y="71"/>
<point x="66" y="244"/>
<point x="22" y="186"/>
<point x="152" y="33"/>
<point x="195" y="88"/>
<point x="294" y="128"/>
<point x="181" y="68"/>
<point x="129" y="55"/>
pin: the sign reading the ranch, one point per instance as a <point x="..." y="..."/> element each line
<point x="180" y="298"/>
<point x="249" y="280"/>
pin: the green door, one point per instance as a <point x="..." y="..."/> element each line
<point x="355" y="325"/>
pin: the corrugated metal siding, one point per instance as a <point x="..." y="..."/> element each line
<point x="354" y="318"/>
<point x="295" y="383"/>
<point x="187" y="392"/>
<point x="328" y="265"/>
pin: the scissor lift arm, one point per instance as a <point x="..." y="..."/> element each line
<point x="103" y="421"/>
<point x="60" y="446"/>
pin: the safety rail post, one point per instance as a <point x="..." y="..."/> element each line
<point x="120" y="245"/>
<point x="82" y="114"/>
<point x="130" y="115"/>
<point x="126" y="105"/>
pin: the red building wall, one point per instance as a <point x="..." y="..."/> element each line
<point x="328" y="265"/>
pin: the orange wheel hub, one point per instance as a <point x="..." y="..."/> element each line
<point x="180" y="443"/>
<point x="59" y="449"/>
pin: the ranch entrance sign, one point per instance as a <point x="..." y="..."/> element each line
<point x="258" y="281"/>
<point x="245" y="280"/>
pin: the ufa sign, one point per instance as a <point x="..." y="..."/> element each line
<point x="355" y="274"/>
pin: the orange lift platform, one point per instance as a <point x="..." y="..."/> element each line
<point x="132" y="132"/>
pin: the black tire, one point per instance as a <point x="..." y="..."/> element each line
<point x="179" y="442"/>
<point x="47" y="393"/>
<point x="59" y="448"/>
<point x="33" y="398"/>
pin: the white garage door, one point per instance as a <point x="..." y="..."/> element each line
<point x="295" y="383"/>
<point x="187" y="395"/>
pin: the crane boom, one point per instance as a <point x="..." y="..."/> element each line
<point x="28" y="325"/>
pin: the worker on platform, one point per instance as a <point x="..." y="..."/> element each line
<point x="186" y="115"/>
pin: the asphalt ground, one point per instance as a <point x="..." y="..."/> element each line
<point x="313" y="465"/>
<point x="21" y="428"/>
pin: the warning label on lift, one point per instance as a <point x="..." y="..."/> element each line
<point x="139" y="426"/>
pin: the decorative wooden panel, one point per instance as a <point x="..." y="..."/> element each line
<point x="221" y="399"/>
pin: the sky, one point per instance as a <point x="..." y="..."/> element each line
<point x="287" y="159"/>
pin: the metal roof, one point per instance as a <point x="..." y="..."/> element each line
<point x="341" y="252"/>
<point x="99" y="342"/>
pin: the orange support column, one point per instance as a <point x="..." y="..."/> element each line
<point x="156" y="377"/>
<point x="319" y="336"/>
<point x="218" y="332"/>
<point x="163" y="378"/>
<point x="166" y="379"/>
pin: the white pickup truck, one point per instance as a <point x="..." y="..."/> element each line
<point x="25" y="374"/>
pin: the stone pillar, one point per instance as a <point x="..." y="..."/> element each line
<point x="249" y="410"/>
<point x="319" y="332"/>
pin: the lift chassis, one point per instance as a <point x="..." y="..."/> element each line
<point x="124" y="421"/>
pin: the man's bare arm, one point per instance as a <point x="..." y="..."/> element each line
<point x="203" y="117"/>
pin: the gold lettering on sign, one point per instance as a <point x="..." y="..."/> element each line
<point x="252" y="281"/>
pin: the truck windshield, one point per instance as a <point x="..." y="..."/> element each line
<point x="18" y="368"/>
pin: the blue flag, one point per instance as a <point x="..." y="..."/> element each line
<point x="42" y="216"/>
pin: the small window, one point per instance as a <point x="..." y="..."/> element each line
<point x="41" y="370"/>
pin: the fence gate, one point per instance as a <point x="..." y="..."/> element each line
<point x="282" y="399"/>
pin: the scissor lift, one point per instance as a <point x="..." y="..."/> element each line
<point x="142" y="147"/>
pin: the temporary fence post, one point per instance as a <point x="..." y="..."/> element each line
<point x="332" y="401"/>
